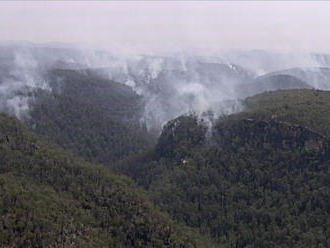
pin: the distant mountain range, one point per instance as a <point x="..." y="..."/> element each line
<point x="102" y="150"/>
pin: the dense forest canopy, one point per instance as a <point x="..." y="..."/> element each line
<point x="260" y="180"/>
<point x="49" y="198"/>
<point x="161" y="151"/>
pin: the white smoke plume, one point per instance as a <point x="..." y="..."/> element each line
<point x="22" y="78"/>
<point x="171" y="85"/>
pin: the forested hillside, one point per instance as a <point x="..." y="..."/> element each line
<point x="87" y="166"/>
<point x="260" y="180"/>
<point x="96" y="118"/>
<point x="309" y="108"/>
<point x="164" y="124"/>
<point x="49" y="198"/>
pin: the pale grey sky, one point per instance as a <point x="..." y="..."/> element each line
<point x="171" y="25"/>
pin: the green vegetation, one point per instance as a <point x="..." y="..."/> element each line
<point x="97" y="119"/>
<point x="83" y="171"/>
<point x="310" y="108"/>
<point x="49" y="198"/>
<point x="261" y="180"/>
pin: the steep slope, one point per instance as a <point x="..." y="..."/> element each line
<point x="255" y="182"/>
<point x="172" y="86"/>
<point x="304" y="107"/>
<point x="98" y="119"/>
<point x="49" y="198"/>
<point x="114" y="99"/>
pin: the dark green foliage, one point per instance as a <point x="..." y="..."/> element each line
<point x="113" y="99"/>
<point x="95" y="118"/>
<point x="48" y="198"/>
<point x="270" y="136"/>
<point x="180" y="136"/>
<point x="261" y="180"/>
<point x="310" y="108"/>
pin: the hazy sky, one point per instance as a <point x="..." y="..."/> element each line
<point x="171" y="25"/>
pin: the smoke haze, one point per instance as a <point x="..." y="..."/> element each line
<point x="167" y="26"/>
<point x="180" y="57"/>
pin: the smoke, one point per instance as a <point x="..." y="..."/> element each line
<point x="176" y="85"/>
<point x="170" y="85"/>
<point x="262" y="62"/>
<point x="316" y="77"/>
<point x="21" y="80"/>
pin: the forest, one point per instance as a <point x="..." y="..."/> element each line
<point x="128" y="160"/>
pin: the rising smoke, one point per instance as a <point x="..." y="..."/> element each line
<point x="170" y="85"/>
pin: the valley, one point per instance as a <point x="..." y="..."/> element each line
<point x="161" y="152"/>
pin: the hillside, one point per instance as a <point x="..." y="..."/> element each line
<point x="305" y="107"/>
<point x="97" y="119"/>
<point x="49" y="198"/>
<point x="255" y="178"/>
<point x="272" y="83"/>
<point x="260" y="180"/>
<point x="318" y="77"/>
<point x="171" y="85"/>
